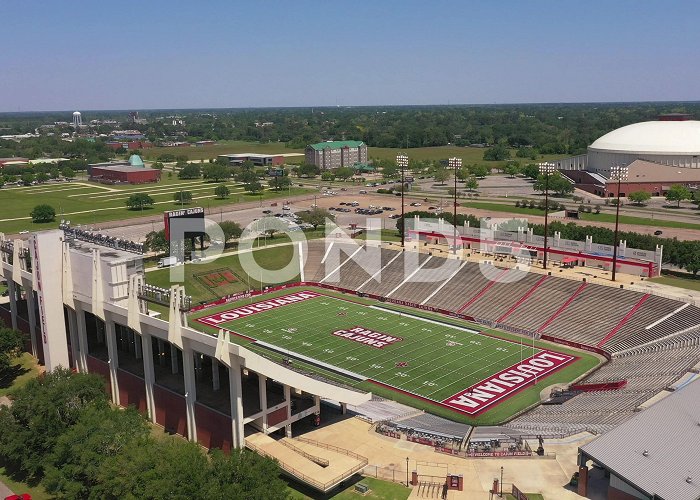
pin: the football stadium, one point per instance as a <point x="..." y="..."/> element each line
<point x="468" y="350"/>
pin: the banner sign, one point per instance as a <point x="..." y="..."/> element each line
<point x="504" y="384"/>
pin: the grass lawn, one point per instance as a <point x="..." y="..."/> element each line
<point x="601" y="217"/>
<point x="530" y="496"/>
<point x="25" y="368"/>
<point x="37" y="491"/>
<point x="379" y="490"/>
<point x="90" y="203"/>
<point x="426" y="361"/>
<point x="225" y="147"/>
<point x="202" y="285"/>
<point x="468" y="155"/>
<point x="689" y="283"/>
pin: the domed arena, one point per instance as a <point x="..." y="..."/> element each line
<point x="673" y="143"/>
<point x="656" y="154"/>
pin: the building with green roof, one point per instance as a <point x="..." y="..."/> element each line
<point x="136" y="161"/>
<point x="336" y="154"/>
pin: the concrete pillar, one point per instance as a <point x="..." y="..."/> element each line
<point x="113" y="356"/>
<point x="236" y="394"/>
<point x="583" y="481"/>
<point x="138" y="349"/>
<point x="188" y="357"/>
<point x="12" y="289"/>
<point x="343" y="408"/>
<point x="149" y="376"/>
<point x="262" y="389"/>
<point x="173" y="359"/>
<point x="215" y="383"/>
<point x="73" y="334"/>
<point x="82" y="337"/>
<point x="197" y="365"/>
<point x="31" y="313"/>
<point x="288" y="399"/>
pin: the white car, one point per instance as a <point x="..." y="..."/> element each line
<point x="24" y="232"/>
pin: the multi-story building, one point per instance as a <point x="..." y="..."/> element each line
<point x="335" y="154"/>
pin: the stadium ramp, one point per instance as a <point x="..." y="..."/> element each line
<point x="301" y="460"/>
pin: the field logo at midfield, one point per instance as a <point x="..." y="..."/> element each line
<point x="371" y="338"/>
<point x="504" y="384"/>
<point x="240" y="312"/>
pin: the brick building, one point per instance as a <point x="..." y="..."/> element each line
<point x="124" y="174"/>
<point x="335" y="154"/>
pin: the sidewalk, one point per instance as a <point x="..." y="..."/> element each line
<point x="5" y="491"/>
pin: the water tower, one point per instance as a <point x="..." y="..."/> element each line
<point x="77" y="120"/>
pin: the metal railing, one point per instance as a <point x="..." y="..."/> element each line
<point x="323" y="462"/>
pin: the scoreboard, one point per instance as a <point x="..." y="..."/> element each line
<point x="194" y="216"/>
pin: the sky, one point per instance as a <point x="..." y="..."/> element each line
<point x="153" y="54"/>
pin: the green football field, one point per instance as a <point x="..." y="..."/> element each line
<point x="415" y="357"/>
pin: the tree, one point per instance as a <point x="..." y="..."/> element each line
<point x="41" y="411"/>
<point x="158" y="165"/>
<point x="479" y="171"/>
<point x="441" y="174"/>
<point x="308" y="170"/>
<point x="472" y="184"/>
<point x="156" y="242"/>
<point x="529" y="153"/>
<point x="190" y="171"/>
<point x="253" y="186"/>
<point x="27" y="178"/>
<point x="73" y="466"/>
<point x="512" y="169"/>
<point x="678" y="193"/>
<point x="557" y="184"/>
<point x="139" y="201"/>
<point x="42" y="177"/>
<point x="279" y="182"/>
<point x="344" y="173"/>
<point x="230" y="229"/>
<point x="54" y="173"/>
<point x="43" y="213"/>
<point x="216" y="173"/>
<point x="68" y="173"/>
<point x="316" y="217"/>
<point x="531" y="170"/>
<point x="390" y="171"/>
<point x="222" y="191"/>
<point x="639" y="197"/>
<point x="498" y="152"/>
<point x="327" y="175"/>
<point x="183" y="197"/>
<point x="11" y="342"/>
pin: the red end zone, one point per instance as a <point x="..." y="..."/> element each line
<point x="242" y="311"/>
<point x="505" y="383"/>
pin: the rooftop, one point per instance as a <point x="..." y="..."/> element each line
<point x="336" y="145"/>
<point x="123" y="168"/>
<point x="657" y="137"/>
<point x="657" y="450"/>
<point x="647" y="171"/>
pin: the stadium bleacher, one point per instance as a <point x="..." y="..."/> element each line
<point x="653" y="340"/>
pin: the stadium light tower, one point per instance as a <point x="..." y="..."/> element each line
<point x="546" y="169"/>
<point x="456" y="164"/>
<point x="402" y="163"/>
<point x="618" y="173"/>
